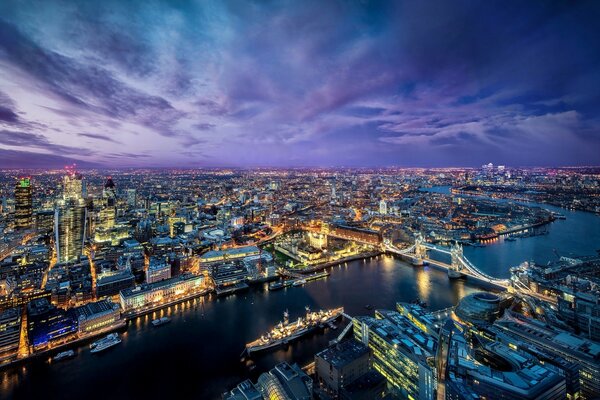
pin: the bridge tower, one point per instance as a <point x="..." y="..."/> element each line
<point x="420" y="250"/>
<point x="456" y="253"/>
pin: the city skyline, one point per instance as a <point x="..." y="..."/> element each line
<point x="340" y="84"/>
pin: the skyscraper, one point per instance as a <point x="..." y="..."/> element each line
<point x="23" y="204"/>
<point x="70" y="219"/>
<point x="131" y="198"/>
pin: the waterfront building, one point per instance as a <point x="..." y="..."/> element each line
<point x="167" y="290"/>
<point x="47" y="323"/>
<point x="23" y="204"/>
<point x="10" y="328"/>
<point x="285" y="382"/>
<point x="402" y="353"/>
<point x="340" y="365"/>
<point x="158" y="270"/>
<point x="576" y="349"/>
<point x="229" y="254"/>
<point x="97" y="315"/>
<point x="480" y="307"/>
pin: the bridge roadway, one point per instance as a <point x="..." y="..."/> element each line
<point x="468" y="270"/>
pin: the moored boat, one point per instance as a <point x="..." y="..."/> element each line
<point x="105" y="343"/>
<point x="287" y="331"/>
<point x="161" y="321"/>
<point x="64" y="355"/>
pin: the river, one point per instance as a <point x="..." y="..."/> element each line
<point x="578" y="235"/>
<point x="197" y="355"/>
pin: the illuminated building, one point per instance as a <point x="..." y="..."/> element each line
<point x="584" y="352"/>
<point x="23" y="204"/>
<point x="478" y="368"/>
<point x="69" y="229"/>
<point x="383" y="207"/>
<point x="47" y="323"/>
<point x="98" y="315"/>
<point x="70" y="220"/>
<point x="131" y="198"/>
<point x="10" y="326"/>
<point x="229" y="254"/>
<point x="402" y="353"/>
<point x="479" y="308"/>
<point x="174" y="220"/>
<point x="158" y="270"/>
<point x="166" y="290"/>
<point x="285" y="382"/>
<point x="44" y="220"/>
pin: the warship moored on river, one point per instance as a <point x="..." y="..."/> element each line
<point x="287" y="331"/>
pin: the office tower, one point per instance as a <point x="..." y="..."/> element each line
<point x="109" y="192"/>
<point x="23" y="204"/>
<point x="131" y="198"/>
<point x="70" y="219"/>
<point x="402" y="353"/>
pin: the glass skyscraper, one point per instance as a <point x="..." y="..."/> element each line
<point x="70" y="220"/>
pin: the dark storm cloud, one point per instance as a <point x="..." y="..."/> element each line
<point x="310" y="82"/>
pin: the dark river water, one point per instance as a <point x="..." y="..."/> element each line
<point x="197" y="355"/>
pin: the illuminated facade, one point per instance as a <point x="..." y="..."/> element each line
<point x="69" y="229"/>
<point x="23" y="204"/>
<point x="402" y="353"/>
<point x="167" y="290"/>
<point x="96" y="316"/>
<point x="70" y="220"/>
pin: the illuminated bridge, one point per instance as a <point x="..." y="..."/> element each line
<point x="460" y="265"/>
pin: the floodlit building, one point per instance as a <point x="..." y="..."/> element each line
<point x="166" y="290"/>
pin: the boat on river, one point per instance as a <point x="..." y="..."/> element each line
<point x="287" y="331"/>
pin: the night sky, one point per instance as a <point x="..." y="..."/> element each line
<point x="299" y="83"/>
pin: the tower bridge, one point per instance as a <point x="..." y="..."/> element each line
<point x="459" y="266"/>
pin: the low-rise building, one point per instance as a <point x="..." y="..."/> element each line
<point x="167" y="290"/>
<point x="96" y="316"/>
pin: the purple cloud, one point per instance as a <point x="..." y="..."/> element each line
<point x="302" y="83"/>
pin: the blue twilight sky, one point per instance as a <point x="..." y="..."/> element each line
<point x="299" y="83"/>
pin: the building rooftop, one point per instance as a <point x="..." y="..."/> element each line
<point x="343" y="353"/>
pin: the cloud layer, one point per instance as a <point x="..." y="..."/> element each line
<point x="348" y="83"/>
